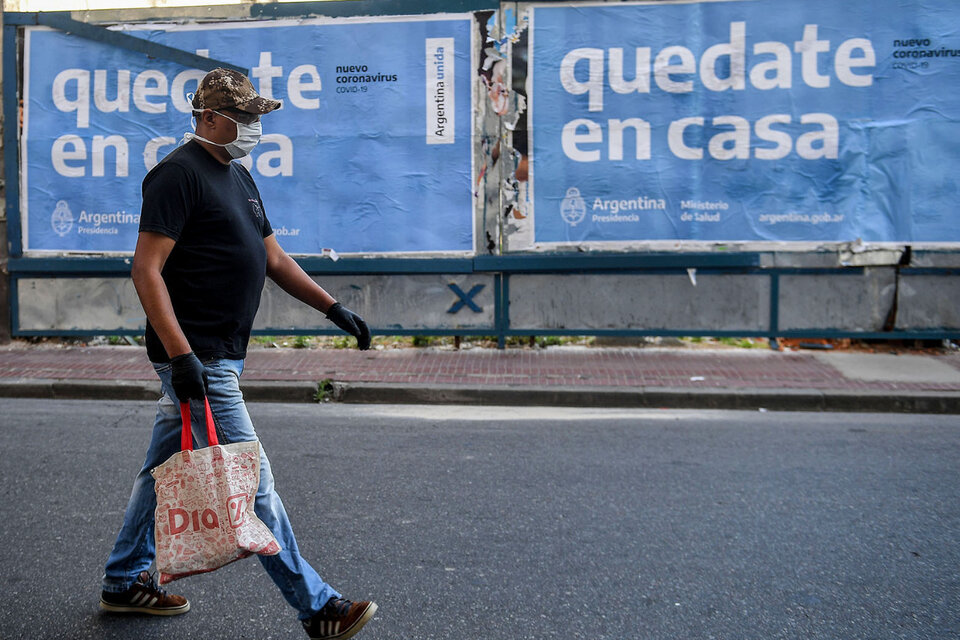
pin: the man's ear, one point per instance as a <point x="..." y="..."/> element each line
<point x="208" y="118"/>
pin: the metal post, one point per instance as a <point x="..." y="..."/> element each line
<point x="501" y="312"/>
<point x="774" y="309"/>
<point x="4" y="254"/>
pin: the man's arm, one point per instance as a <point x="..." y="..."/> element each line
<point x="148" y="260"/>
<point x="285" y="271"/>
<point x="188" y="378"/>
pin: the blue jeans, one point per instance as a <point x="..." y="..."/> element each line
<point x="134" y="549"/>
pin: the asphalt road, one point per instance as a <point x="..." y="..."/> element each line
<point x="476" y="523"/>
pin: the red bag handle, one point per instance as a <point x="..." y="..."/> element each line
<point x="186" y="434"/>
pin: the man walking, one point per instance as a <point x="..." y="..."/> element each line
<point x="204" y="249"/>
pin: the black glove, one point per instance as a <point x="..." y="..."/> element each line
<point x="189" y="377"/>
<point x="351" y="323"/>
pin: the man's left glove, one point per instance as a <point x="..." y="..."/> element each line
<point x="188" y="377"/>
<point x="351" y="323"/>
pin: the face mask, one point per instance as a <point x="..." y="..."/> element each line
<point x="248" y="135"/>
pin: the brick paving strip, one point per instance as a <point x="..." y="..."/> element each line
<point x="562" y="367"/>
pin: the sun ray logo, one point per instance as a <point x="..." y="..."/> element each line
<point x="237" y="508"/>
<point x="573" y="209"/>
<point x="62" y="219"/>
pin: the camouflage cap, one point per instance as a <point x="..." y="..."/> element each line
<point x="228" y="89"/>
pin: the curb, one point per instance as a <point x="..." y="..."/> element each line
<point x="591" y="397"/>
<point x="56" y="389"/>
<point x="255" y="391"/>
<point x="653" y="398"/>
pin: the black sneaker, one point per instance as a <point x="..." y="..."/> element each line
<point x="144" y="597"/>
<point x="339" y="619"/>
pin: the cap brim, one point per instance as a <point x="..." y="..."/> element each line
<point x="259" y="105"/>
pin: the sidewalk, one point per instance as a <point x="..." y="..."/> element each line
<point x="556" y="376"/>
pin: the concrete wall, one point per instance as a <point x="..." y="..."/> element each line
<point x="78" y="304"/>
<point x="856" y="302"/>
<point x="929" y="301"/>
<point x="387" y="302"/>
<point x="641" y="302"/>
<point x="107" y="305"/>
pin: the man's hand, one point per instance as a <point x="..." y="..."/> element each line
<point x="351" y="323"/>
<point x="189" y="377"/>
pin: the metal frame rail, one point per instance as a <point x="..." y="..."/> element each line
<point x="502" y="268"/>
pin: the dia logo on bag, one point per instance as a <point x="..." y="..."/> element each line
<point x="179" y="520"/>
<point x="237" y="508"/>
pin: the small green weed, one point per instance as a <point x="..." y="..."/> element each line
<point x="742" y="343"/>
<point x="423" y="341"/>
<point x="342" y="342"/>
<point x="324" y="391"/>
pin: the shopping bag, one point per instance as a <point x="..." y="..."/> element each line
<point x="205" y="498"/>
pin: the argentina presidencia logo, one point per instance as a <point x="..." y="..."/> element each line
<point x="573" y="209"/>
<point x="62" y="218"/>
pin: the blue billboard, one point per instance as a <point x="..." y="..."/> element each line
<point x="746" y="121"/>
<point x="371" y="152"/>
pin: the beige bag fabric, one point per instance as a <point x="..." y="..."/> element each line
<point x="205" y="499"/>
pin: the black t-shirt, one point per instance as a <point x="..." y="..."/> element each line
<point x="216" y="270"/>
